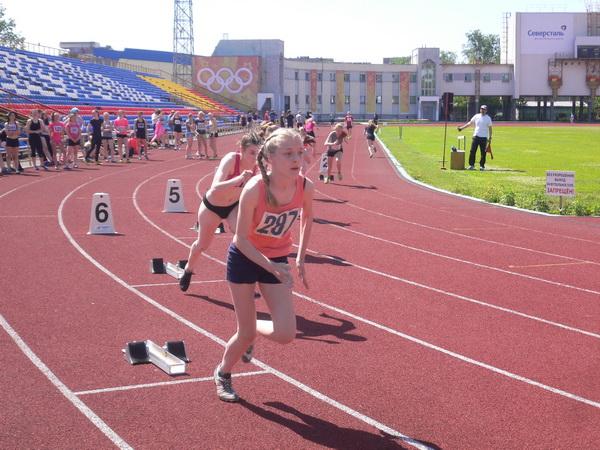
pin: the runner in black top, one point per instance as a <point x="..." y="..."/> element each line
<point x="370" y="131"/>
<point x="95" y="127"/>
<point x="140" y="126"/>
<point x="176" y="123"/>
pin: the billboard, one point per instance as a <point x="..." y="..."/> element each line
<point x="404" y="91"/>
<point x="234" y="77"/>
<point x="547" y="33"/>
<point x="371" y="92"/>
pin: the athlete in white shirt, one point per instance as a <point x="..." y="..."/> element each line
<point x="482" y="135"/>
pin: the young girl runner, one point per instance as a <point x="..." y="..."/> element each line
<point x="370" y="134"/>
<point x="201" y="131"/>
<point x="33" y="128"/>
<point x="140" y="126"/>
<point x="57" y="133"/>
<point x="269" y="206"/>
<point x="176" y="124"/>
<point x="335" y="150"/>
<point x="73" y="128"/>
<point x="108" y="140"/>
<point x="221" y="200"/>
<point x="213" y="133"/>
<point x="122" y="125"/>
<point x="13" y="130"/>
<point x="190" y="132"/>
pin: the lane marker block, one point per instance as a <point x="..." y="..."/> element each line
<point x="174" y="197"/>
<point x="157" y="265"/>
<point x="101" y="218"/>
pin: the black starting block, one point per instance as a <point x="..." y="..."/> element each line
<point x="157" y="265"/>
<point x="195" y="227"/>
<point x="220" y="229"/>
<point x="177" y="348"/>
<point x="182" y="263"/>
<point x="136" y="352"/>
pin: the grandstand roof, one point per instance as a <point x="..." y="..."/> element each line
<point x="135" y="53"/>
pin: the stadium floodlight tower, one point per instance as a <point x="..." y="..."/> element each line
<point x="183" y="42"/>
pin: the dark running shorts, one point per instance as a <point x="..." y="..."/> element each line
<point x="10" y="142"/>
<point x="241" y="270"/>
<point x="71" y="143"/>
<point x="332" y="153"/>
<point x="221" y="211"/>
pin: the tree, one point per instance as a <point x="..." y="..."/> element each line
<point x="482" y="48"/>
<point x="448" y="57"/>
<point x="8" y="36"/>
<point x="400" y="60"/>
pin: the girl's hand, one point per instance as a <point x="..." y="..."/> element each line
<point x="246" y="175"/>
<point x="301" y="272"/>
<point x="283" y="273"/>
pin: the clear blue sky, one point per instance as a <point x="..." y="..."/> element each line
<point x="348" y="30"/>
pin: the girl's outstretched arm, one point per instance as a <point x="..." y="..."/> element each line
<point x="306" y="221"/>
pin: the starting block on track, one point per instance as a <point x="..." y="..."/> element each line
<point x="158" y="266"/>
<point x="141" y="352"/>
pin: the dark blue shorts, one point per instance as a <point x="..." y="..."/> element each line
<point x="241" y="270"/>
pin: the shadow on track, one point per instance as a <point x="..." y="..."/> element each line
<point x="331" y="222"/>
<point x="323" y="432"/>
<point x="307" y="329"/>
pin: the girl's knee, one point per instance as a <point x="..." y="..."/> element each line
<point x="246" y="337"/>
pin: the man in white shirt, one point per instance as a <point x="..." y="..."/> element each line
<point x="482" y="135"/>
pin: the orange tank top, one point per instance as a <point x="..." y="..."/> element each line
<point x="271" y="225"/>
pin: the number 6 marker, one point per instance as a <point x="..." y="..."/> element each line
<point x="101" y="221"/>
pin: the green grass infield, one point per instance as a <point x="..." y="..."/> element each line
<point x="517" y="174"/>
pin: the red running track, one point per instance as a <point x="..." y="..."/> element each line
<point x="432" y="321"/>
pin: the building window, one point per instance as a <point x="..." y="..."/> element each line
<point x="487" y="77"/>
<point x="346" y="99"/>
<point x="378" y="99"/>
<point x="306" y="76"/>
<point x="378" y="78"/>
<point x="320" y="76"/>
<point x="468" y="77"/>
<point x="505" y="77"/>
<point x="346" y="77"/>
<point x="362" y="77"/>
<point x="332" y="76"/>
<point x="307" y="99"/>
<point x="296" y="99"/>
<point x="428" y="78"/>
<point x="319" y="99"/>
<point x="363" y="99"/>
<point x="295" y="75"/>
<point x="413" y="100"/>
<point x="395" y="99"/>
<point x="395" y="77"/>
<point x="448" y="77"/>
<point x="413" y="77"/>
<point x="332" y="99"/>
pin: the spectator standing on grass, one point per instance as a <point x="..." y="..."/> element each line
<point x="482" y="136"/>
<point x="269" y="206"/>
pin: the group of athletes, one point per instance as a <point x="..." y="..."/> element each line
<point x="56" y="141"/>
<point x="261" y="190"/>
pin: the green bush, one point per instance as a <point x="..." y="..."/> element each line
<point x="492" y="194"/>
<point x="508" y="198"/>
<point x="578" y="208"/>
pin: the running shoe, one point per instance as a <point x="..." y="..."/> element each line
<point x="331" y="179"/>
<point x="321" y="178"/>
<point x="471" y="168"/>
<point x="326" y="180"/>
<point x="482" y="168"/>
<point x="184" y="281"/>
<point x="247" y="356"/>
<point x="225" y="390"/>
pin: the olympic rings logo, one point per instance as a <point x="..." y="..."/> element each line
<point x="224" y="79"/>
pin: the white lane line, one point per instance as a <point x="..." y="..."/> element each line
<point x="175" y="284"/>
<point x="22" y="186"/>
<point x="464" y="261"/>
<point x="444" y="230"/>
<point x="35" y="216"/>
<point x="413" y="339"/>
<point x="458" y="296"/>
<point x="163" y="383"/>
<point x="578" y="263"/>
<point x="62" y="388"/>
<point x="330" y="401"/>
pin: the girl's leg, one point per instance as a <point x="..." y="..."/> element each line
<point x="207" y="222"/>
<point x="245" y="313"/>
<point x="282" y="326"/>
<point x="338" y="159"/>
<point x="189" y="147"/>
<point x="205" y="146"/>
<point x="329" y="168"/>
